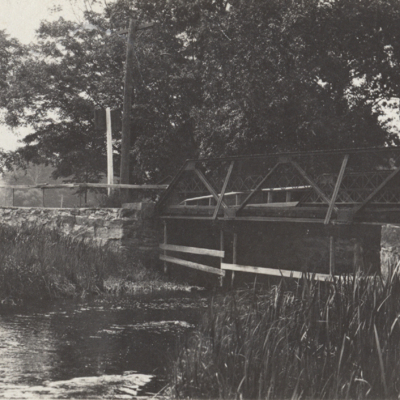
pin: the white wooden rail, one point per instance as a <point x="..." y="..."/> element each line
<point x="192" y="250"/>
<point x="277" y="272"/>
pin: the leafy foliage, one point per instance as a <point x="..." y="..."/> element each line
<point x="211" y="78"/>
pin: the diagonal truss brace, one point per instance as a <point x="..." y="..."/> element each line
<point x="336" y="190"/>
<point x="209" y="187"/>
<point x="221" y="196"/>
<point x="312" y="183"/>
<point x="376" y="191"/>
<point x="258" y="187"/>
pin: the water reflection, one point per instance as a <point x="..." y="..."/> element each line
<point x="93" y="349"/>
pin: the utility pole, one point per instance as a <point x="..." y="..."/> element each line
<point x="128" y="97"/>
<point x="128" y="94"/>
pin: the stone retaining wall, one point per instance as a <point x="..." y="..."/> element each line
<point x="132" y="228"/>
<point x="390" y="249"/>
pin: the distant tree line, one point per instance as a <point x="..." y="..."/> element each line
<point x="211" y="78"/>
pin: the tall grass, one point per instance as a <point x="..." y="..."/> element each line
<point x="297" y="340"/>
<point x="37" y="263"/>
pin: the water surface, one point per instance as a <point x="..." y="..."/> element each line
<point x="94" y="349"/>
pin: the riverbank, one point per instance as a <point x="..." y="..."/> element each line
<point x="298" y="340"/>
<point x="39" y="264"/>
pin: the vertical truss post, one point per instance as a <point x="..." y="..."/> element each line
<point x="221" y="247"/>
<point x="221" y="196"/>
<point x="336" y="190"/>
<point x="165" y="242"/>
<point x="234" y="256"/>
<point x="332" y="255"/>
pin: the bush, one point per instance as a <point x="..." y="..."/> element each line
<point x="297" y="340"/>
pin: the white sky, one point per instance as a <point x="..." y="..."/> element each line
<point x="20" y="19"/>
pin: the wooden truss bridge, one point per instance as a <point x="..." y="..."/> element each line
<point x="341" y="187"/>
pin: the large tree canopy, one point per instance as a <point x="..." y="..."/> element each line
<point x="212" y="78"/>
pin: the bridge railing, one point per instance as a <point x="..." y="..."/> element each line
<point x="331" y="184"/>
<point x="68" y="194"/>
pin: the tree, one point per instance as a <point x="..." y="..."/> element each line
<point x="284" y="75"/>
<point x="72" y="70"/>
<point x="211" y="78"/>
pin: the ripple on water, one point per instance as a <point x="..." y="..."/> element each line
<point x="94" y="387"/>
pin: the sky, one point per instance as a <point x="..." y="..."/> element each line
<point x="20" y="19"/>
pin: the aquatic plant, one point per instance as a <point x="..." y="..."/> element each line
<point x="298" y="339"/>
<point x="40" y="263"/>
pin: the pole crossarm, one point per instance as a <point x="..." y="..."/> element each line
<point x="336" y="190"/>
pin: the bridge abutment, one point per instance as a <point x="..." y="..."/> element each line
<point x="390" y="249"/>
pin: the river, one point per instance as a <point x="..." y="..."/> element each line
<point x="94" y="349"/>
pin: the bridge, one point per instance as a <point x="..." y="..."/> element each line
<point x="325" y="213"/>
<point x="339" y="195"/>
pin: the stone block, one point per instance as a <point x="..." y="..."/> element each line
<point x="390" y="236"/>
<point x="118" y="223"/>
<point x="109" y="233"/>
<point x="67" y="220"/>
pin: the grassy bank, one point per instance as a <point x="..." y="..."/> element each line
<point x="297" y="340"/>
<point x="37" y="263"/>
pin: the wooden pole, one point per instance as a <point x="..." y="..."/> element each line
<point x="332" y="256"/>
<point x="234" y="257"/>
<point x="12" y="198"/>
<point x="42" y="197"/>
<point x="126" y="115"/>
<point x="165" y="242"/>
<point x="110" y="168"/>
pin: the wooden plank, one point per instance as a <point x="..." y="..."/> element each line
<point x="258" y="187"/>
<point x="190" y="264"/>
<point x="275" y="189"/>
<point x="221" y="195"/>
<point x="193" y="250"/>
<point x="275" y="272"/>
<point x="270" y="219"/>
<point x="336" y="190"/>
<point x="83" y="185"/>
<point x="277" y="204"/>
